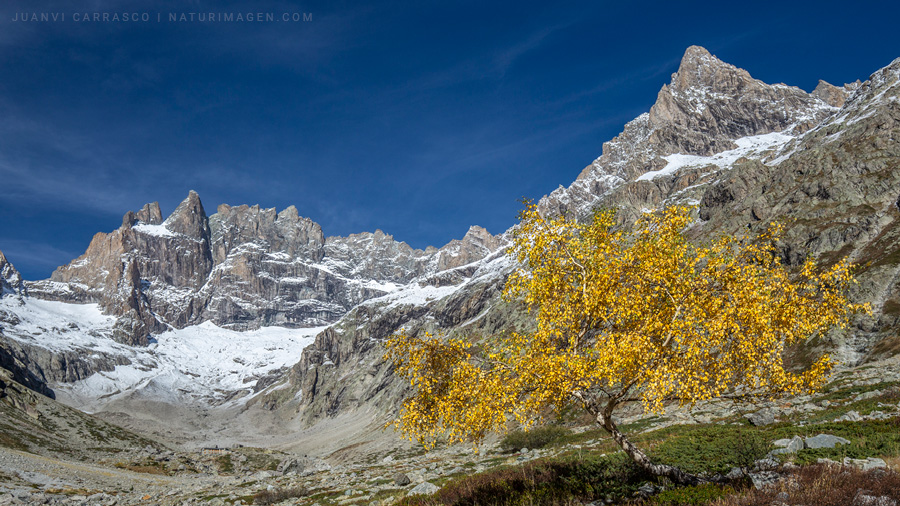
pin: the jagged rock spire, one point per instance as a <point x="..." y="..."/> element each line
<point x="189" y="218"/>
<point x="10" y="279"/>
<point x="150" y="214"/>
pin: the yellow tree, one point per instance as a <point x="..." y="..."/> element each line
<point x="642" y="315"/>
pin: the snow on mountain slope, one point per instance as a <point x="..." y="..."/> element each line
<point x="754" y="146"/>
<point x="202" y="364"/>
<point x="58" y="325"/>
<point x="420" y="293"/>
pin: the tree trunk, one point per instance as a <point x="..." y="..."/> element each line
<point x="640" y="458"/>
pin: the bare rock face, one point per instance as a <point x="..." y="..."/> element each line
<point x="189" y="218"/>
<point x="833" y="95"/>
<point x="285" y="232"/>
<point x="149" y="214"/>
<point x="376" y="256"/>
<point x="241" y="268"/>
<point x="478" y="243"/>
<point x="145" y="272"/>
<point x="267" y="271"/>
<point x="10" y="279"/>
<point x="379" y="256"/>
<point x="710" y="103"/>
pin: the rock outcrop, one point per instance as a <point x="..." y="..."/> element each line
<point x="10" y="279"/>
<point x="146" y="273"/>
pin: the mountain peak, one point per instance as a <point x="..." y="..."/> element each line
<point x="10" y="279"/>
<point x="699" y="68"/>
<point x="189" y="217"/>
<point x="696" y="53"/>
<point x="150" y="214"/>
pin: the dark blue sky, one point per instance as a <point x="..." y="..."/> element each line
<point x="417" y="118"/>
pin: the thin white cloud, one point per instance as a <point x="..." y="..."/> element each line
<point x="492" y="64"/>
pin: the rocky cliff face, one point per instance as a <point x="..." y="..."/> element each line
<point x="10" y="279"/>
<point x="146" y="273"/>
<point x="241" y="268"/>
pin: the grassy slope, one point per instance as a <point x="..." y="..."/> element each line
<point x="589" y="467"/>
<point x="53" y="429"/>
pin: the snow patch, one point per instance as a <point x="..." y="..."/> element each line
<point x="157" y="230"/>
<point x="755" y="146"/>
<point x="203" y="363"/>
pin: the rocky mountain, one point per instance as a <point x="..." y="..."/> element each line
<point x="159" y="303"/>
<point x="703" y="111"/>
<point x="241" y="269"/>
<point x="10" y="279"/>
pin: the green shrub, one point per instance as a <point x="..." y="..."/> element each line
<point x="690" y="496"/>
<point x="537" y="437"/>
<point x="547" y="482"/>
<point x="225" y="463"/>
<point x="869" y="438"/>
<point x="711" y="448"/>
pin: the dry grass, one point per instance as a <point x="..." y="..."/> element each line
<point x="142" y="469"/>
<point x="823" y="485"/>
<point x="893" y="463"/>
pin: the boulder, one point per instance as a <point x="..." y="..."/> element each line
<point x="736" y="473"/>
<point x="865" y="464"/>
<point x="825" y="441"/>
<point x="792" y="445"/>
<point x="425" y="488"/>
<point x="401" y="479"/>
<point x="851" y="416"/>
<point x="765" y="416"/>
<point x="764" y="478"/>
<point x="867" y="395"/>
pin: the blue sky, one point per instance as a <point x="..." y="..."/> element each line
<point x="418" y="118"/>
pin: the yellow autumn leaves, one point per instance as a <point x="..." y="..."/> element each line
<point x="624" y="315"/>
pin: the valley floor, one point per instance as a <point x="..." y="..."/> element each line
<point x="861" y="405"/>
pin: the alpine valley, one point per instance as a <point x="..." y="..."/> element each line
<point x="248" y="326"/>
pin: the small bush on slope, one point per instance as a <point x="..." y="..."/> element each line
<point x="537" y="437"/>
<point x="550" y="482"/>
